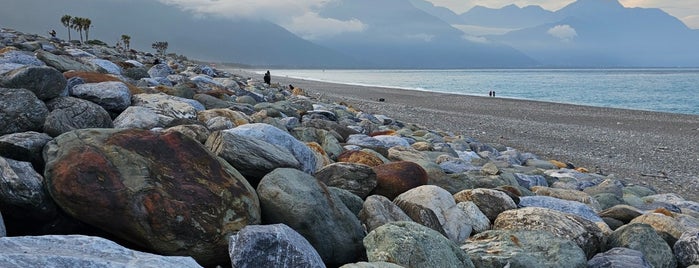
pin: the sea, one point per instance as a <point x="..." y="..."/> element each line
<point x="672" y="90"/>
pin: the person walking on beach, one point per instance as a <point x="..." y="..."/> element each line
<point x="268" y="78"/>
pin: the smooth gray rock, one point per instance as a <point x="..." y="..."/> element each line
<point x="278" y="137"/>
<point x="160" y="70"/>
<point x="391" y="141"/>
<point x="306" y="205"/>
<point x="441" y="202"/>
<point x="79" y="251"/>
<point x="61" y="62"/>
<point x="197" y="132"/>
<point x="112" y="96"/>
<point x="353" y="202"/>
<point x="20" y="111"/>
<point x="506" y="248"/>
<point x="365" y="141"/>
<point x="138" y="117"/>
<point x="623" y="213"/>
<point x="619" y="258"/>
<point x="24" y="146"/>
<point x="22" y="194"/>
<point x="561" y="205"/>
<point x="583" y="232"/>
<point x="68" y="113"/>
<point x="490" y="202"/>
<point x="378" y="210"/>
<point x="274" y="245"/>
<point x="105" y="66"/>
<point x="643" y="238"/>
<point x="45" y="82"/>
<point x="357" y="178"/>
<point x="20" y="57"/>
<point x="168" y="108"/>
<point x="412" y="245"/>
<point x="529" y="181"/>
<point x="474" y="217"/>
<point x="253" y="157"/>
<point x="687" y="249"/>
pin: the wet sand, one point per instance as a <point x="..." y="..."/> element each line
<point x="654" y="149"/>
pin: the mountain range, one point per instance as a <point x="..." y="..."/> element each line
<point x="395" y="34"/>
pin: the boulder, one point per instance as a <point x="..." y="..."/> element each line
<point x="365" y="141"/>
<point x="62" y="63"/>
<point x="139" y="117"/>
<point x="666" y="226"/>
<point x="412" y="245"/>
<point x="20" y="111"/>
<point x="236" y="117"/>
<point x="442" y="204"/>
<point x="409" y="154"/>
<point x="687" y="249"/>
<point x="508" y="248"/>
<point x="529" y="181"/>
<point x="474" y="217"/>
<point x="378" y="264"/>
<point x="378" y="210"/>
<point x="642" y="237"/>
<point x="623" y="213"/>
<point x="22" y="194"/>
<point x="105" y="66"/>
<point x="397" y="177"/>
<point x="391" y="141"/>
<point x="45" y="82"/>
<point x="79" y="251"/>
<point x="278" y="137"/>
<point x="561" y="205"/>
<point x="353" y="202"/>
<point x="20" y="57"/>
<point x="326" y="139"/>
<point x="360" y="157"/>
<point x="25" y="146"/>
<point x="583" y="232"/>
<point x="252" y="156"/>
<point x="567" y="194"/>
<point x="112" y="96"/>
<point x="168" y="108"/>
<point x="160" y="70"/>
<point x="161" y="191"/>
<point x="608" y="186"/>
<point x="341" y="130"/>
<point x="490" y="202"/>
<point x="298" y="200"/>
<point x="619" y="258"/>
<point x="68" y="113"/>
<point x="274" y="245"/>
<point x="197" y="132"/>
<point x="357" y="178"/>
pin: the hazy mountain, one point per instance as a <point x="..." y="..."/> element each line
<point x="510" y="16"/>
<point x="603" y="33"/>
<point x="445" y="14"/>
<point x="251" y="42"/>
<point x="399" y="35"/>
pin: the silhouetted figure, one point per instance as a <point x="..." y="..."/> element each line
<point x="291" y="87"/>
<point x="493" y="93"/>
<point x="52" y="33"/>
<point x="268" y="78"/>
<point x="490" y="93"/>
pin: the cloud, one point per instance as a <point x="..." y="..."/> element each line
<point x="563" y="32"/>
<point x="298" y="16"/>
<point x="312" y="26"/>
<point x="475" y="39"/>
<point x="421" y="36"/>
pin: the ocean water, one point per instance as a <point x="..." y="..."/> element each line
<point x="663" y="90"/>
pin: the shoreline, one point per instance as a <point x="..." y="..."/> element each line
<point x="647" y="148"/>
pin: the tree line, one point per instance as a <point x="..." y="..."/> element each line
<point x="80" y="24"/>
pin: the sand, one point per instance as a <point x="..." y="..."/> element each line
<point x="660" y="150"/>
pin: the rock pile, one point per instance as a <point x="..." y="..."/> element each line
<point x="182" y="159"/>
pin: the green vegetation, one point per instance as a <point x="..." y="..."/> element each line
<point x="160" y="47"/>
<point x="126" y="40"/>
<point x="78" y="24"/>
<point x="65" y="20"/>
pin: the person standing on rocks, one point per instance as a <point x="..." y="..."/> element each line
<point x="268" y="78"/>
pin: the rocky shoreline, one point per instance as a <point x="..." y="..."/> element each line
<point x="181" y="159"/>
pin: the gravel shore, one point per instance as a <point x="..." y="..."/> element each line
<point x="654" y="149"/>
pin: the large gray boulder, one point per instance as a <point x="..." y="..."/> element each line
<point x="357" y="178"/>
<point x="619" y="258"/>
<point x="643" y="238"/>
<point x="567" y="226"/>
<point x="500" y="248"/>
<point x="274" y="245"/>
<point x="22" y="194"/>
<point x="80" y="251"/>
<point x="20" y="111"/>
<point x="168" y="108"/>
<point x="687" y="249"/>
<point x="20" y="57"/>
<point x="561" y="205"/>
<point x="306" y="205"/>
<point x="252" y="156"/>
<point x="278" y="137"/>
<point x="46" y="82"/>
<point x="410" y="244"/>
<point x="68" y="113"/>
<point x="112" y="96"/>
<point x="490" y="202"/>
<point x="160" y="70"/>
<point x="25" y="146"/>
<point x="139" y="117"/>
<point x="62" y="63"/>
<point x="378" y="210"/>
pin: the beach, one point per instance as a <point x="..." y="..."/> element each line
<point x="653" y="149"/>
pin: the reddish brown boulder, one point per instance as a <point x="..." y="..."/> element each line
<point x="162" y="191"/>
<point x="397" y="177"/>
<point x="360" y="157"/>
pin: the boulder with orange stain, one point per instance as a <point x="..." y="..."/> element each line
<point x="398" y="177"/>
<point x="360" y="157"/>
<point x="163" y="192"/>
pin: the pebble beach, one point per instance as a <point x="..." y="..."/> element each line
<point x="124" y="158"/>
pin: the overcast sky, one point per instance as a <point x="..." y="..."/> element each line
<point x="299" y="16"/>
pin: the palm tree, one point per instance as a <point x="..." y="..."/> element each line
<point x="126" y="40"/>
<point x="66" y="20"/>
<point x="75" y="24"/>
<point x="87" y="25"/>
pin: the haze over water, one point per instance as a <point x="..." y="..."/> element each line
<point x="663" y="90"/>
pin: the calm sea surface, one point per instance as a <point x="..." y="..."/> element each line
<point x="664" y="90"/>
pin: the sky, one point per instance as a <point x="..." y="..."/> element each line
<point x="301" y="18"/>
